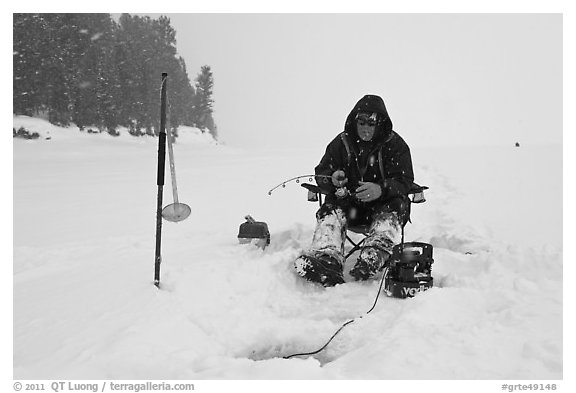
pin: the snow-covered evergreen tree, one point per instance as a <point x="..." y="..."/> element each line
<point x="204" y="101"/>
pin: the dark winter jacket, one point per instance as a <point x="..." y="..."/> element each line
<point x="384" y="160"/>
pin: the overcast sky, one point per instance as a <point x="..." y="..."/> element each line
<point x="289" y="79"/>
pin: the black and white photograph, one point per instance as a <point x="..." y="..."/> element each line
<point x="223" y="196"/>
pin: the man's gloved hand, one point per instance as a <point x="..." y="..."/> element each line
<point x="368" y="192"/>
<point x="339" y="178"/>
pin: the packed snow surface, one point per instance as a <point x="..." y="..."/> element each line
<point x="85" y="306"/>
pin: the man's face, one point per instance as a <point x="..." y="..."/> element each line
<point x="366" y="128"/>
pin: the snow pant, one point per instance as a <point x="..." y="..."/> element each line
<point x="384" y="220"/>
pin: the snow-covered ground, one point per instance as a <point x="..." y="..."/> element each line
<point x="84" y="236"/>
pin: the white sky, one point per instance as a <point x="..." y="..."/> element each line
<point x="291" y="79"/>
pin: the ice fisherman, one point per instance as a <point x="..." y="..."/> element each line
<point x="367" y="174"/>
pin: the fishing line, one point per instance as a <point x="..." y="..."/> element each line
<point x="345" y="324"/>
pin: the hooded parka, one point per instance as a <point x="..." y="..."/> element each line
<point x="384" y="160"/>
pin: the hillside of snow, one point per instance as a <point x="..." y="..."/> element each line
<point x="84" y="237"/>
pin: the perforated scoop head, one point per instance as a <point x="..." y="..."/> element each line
<point x="176" y="212"/>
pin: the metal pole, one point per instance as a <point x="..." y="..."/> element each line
<point x="160" y="178"/>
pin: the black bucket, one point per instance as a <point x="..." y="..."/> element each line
<point x="255" y="232"/>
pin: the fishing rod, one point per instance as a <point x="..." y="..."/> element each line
<point x="341" y="192"/>
<point x="297" y="180"/>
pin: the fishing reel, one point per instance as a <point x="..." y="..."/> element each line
<point x="342" y="193"/>
<point x="409" y="270"/>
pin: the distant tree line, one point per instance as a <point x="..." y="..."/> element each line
<point x="92" y="71"/>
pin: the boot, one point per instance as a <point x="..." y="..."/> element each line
<point x="370" y="261"/>
<point x="321" y="268"/>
